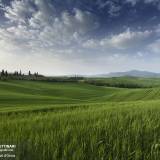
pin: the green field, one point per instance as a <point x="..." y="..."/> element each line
<point x="125" y="82"/>
<point x="81" y="120"/>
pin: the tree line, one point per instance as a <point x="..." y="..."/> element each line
<point x="4" y="74"/>
<point x="116" y="84"/>
<point x="18" y="75"/>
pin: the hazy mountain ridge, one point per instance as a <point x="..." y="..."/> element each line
<point x="132" y="73"/>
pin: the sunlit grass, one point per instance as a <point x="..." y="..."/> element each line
<point x="91" y="128"/>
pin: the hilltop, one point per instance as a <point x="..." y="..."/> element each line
<point x="132" y="73"/>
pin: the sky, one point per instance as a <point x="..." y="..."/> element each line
<point x="55" y="37"/>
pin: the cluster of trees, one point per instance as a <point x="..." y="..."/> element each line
<point x="4" y="74"/>
<point x="116" y="84"/>
<point x="18" y="75"/>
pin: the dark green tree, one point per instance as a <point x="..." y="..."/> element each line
<point x="3" y="72"/>
<point x="29" y="73"/>
<point x="20" y="73"/>
<point x="6" y="73"/>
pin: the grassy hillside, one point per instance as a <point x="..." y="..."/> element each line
<point x="110" y="131"/>
<point x="34" y="93"/>
<point x="30" y="92"/>
<point x="68" y="121"/>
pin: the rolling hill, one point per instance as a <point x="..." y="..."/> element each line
<point x="35" y="94"/>
<point x="132" y="73"/>
<point x="53" y="120"/>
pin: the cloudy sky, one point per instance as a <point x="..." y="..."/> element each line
<point x="56" y="37"/>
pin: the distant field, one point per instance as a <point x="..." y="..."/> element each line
<point x="125" y="82"/>
<point x="81" y="121"/>
<point x="34" y="93"/>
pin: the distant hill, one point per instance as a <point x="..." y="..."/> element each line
<point x="132" y="73"/>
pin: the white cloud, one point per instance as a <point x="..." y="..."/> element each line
<point x="91" y="43"/>
<point x="126" y="40"/>
<point x="42" y="27"/>
<point x="19" y="11"/>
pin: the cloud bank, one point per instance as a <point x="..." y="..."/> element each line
<point x="58" y="40"/>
